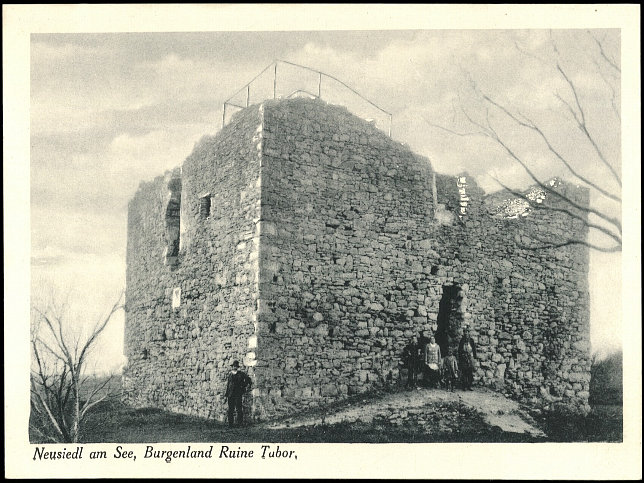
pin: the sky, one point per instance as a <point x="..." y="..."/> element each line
<point x="108" y="111"/>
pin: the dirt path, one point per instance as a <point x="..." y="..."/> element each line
<point x="496" y="409"/>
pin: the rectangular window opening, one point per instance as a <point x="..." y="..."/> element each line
<point x="204" y="206"/>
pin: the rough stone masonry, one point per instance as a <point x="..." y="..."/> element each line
<point x="304" y="242"/>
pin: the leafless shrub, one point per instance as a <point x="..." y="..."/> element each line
<point x="63" y="390"/>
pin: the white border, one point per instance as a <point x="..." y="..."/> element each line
<point x="566" y="461"/>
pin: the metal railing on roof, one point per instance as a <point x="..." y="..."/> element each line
<point x="320" y="77"/>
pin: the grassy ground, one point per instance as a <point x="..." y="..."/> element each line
<point x="604" y="423"/>
<point x="114" y="422"/>
<point x="117" y="423"/>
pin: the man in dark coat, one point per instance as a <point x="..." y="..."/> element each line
<point x="466" y="357"/>
<point x="238" y="384"/>
<point x="411" y="359"/>
<point x="423" y="340"/>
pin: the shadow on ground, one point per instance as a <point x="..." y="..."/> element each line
<point x="445" y="418"/>
<point x="125" y="425"/>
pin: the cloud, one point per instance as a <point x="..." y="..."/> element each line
<point x="43" y="51"/>
<point x="81" y="204"/>
<point x="75" y="232"/>
<point x="47" y="256"/>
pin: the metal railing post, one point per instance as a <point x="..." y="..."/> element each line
<point x="320" y="74"/>
<point x="275" y="81"/>
<point x="320" y="85"/>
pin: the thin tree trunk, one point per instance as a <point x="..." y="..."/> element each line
<point x="75" y="422"/>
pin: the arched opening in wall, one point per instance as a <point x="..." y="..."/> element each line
<point x="450" y="319"/>
<point x="173" y="222"/>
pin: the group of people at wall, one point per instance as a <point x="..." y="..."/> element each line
<point x="423" y="357"/>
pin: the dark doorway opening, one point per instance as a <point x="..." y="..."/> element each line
<point x="450" y="319"/>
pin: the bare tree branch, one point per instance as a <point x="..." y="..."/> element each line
<point x="568" y="106"/>
<point x="87" y="407"/>
<point x="52" y="419"/>
<point x="48" y="437"/>
<point x="539" y="206"/>
<point x="529" y="54"/>
<point x="57" y="389"/>
<point x="581" y="120"/>
<point x="98" y="329"/>
<point x="528" y="123"/>
<point x="490" y="118"/>
<point x="602" y="52"/>
<point x="51" y="351"/>
<point x="58" y="337"/>
<point x="89" y="403"/>
<point x="612" y="220"/>
<point x="582" y="117"/>
<point x="492" y="134"/>
<point x="546" y="245"/>
<point x="456" y="133"/>
<point x="613" y="97"/>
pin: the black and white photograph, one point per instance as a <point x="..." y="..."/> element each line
<point x="287" y="245"/>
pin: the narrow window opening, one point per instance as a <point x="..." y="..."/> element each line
<point x="204" y="206"/>
<point x="173" y="222"/>
<point x="144" y="354"/>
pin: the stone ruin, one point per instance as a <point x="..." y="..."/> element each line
<point x="306" y="243"/>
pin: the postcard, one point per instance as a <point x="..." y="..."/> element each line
<point x="322" y="241"/>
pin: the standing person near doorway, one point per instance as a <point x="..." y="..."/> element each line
<point x="449" y="370"/>
<point x="433" y="362"/>
<point x="412" y="360"/>
<point x="238" y="384"/>
<point x="466" y="358"/>
<point x="423" y="340"/>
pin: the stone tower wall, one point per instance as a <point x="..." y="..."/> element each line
<point x="349" y="210"/>
<point x="328" y="246"/>
<point x="179" y="358"/>
<point x="358" y="257"/>
<point x="535" y="336"/>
